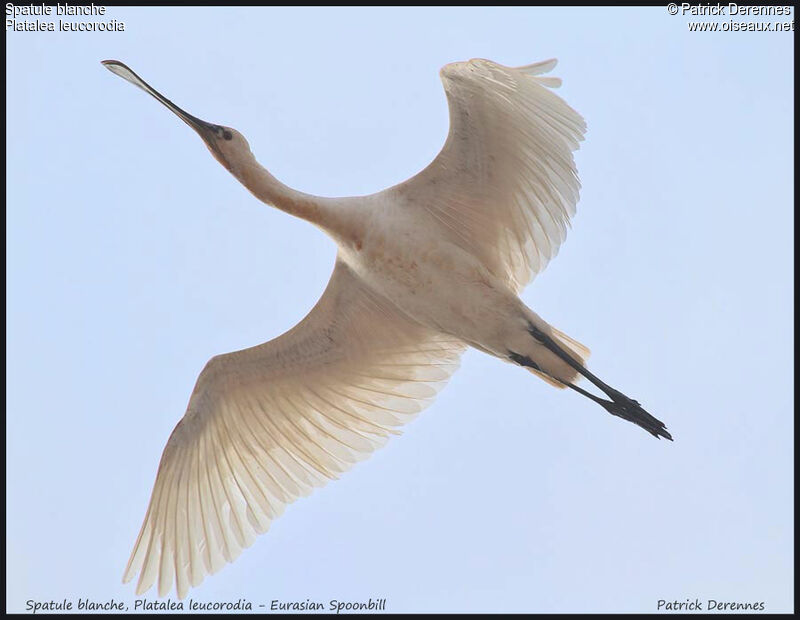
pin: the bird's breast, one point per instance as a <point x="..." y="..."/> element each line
<point x="429" y="278"/>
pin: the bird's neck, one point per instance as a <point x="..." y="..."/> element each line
<point x="330" y="214"/>
<point x="270" y="190"/>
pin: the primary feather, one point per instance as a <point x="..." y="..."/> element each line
<point x="505" y="184"/>
<point x="266" y="425"/>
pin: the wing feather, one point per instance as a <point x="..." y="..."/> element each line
<point x="268" y="424"/>
<point x="504" y="185"/>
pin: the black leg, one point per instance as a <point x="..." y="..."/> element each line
<point x="619" y="405"/>
<point x="636" y="415"/>
<point x="523" y="360"/>
<point x="551" y="345"/>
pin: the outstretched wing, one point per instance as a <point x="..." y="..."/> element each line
<point x="266" y="425"/>
<point x="504" y="185"/>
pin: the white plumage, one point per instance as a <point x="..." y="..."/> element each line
<point x="505" y="185"/>
<point x="424" y="269"/>
<point x="266" y="425"/>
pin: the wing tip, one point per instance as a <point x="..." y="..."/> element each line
<point x="537" y="68"/>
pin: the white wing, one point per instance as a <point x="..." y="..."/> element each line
<point x="504" y="185"/>
<point x="268" y="424"/>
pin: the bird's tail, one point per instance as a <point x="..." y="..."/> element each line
<point x="579" y="352"/>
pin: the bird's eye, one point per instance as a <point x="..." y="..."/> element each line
<point x="221" y="132"/>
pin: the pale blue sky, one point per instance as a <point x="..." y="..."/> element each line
<point x="133" y="257"/>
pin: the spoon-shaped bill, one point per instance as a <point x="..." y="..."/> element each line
<point x="128" y="74"/>
<point x="209" y="132"/>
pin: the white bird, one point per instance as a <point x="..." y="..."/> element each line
<point x="424" y="269"/>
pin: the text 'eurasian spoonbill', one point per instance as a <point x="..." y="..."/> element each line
<point x="424" y="269"/>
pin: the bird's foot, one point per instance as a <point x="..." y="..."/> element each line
<point x="629" y="409"/>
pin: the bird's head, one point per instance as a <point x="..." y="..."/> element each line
<point x="227" y="145"/>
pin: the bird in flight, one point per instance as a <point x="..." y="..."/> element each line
<point x="424" y="270"/>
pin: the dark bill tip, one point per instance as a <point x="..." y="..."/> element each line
<point x="129" y="75"/>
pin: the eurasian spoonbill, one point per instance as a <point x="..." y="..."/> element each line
<point x="424" y="269"/>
